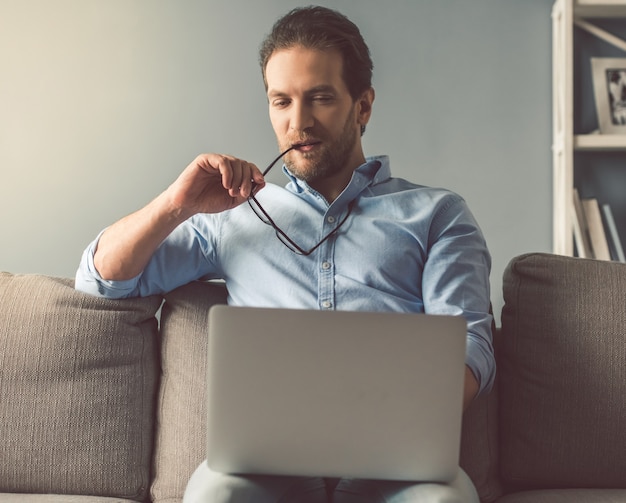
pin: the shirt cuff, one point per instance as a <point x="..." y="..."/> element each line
<point x="88" y="279"/>
<point x="481" y="364"/>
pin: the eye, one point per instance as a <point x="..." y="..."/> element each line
<point x="280" y="103"/>
<point x="323" y="98"/>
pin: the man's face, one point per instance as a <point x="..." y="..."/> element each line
<point x="309" y="103"/>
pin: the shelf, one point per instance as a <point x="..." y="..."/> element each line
<point x="600" y="8"/>
<point x="568" y="16"/>
<point x="600" y="142"/>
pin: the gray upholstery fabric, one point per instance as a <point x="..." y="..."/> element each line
<point x="479" y="446"/>
<point x="181" y="430"/>
<point x="568" y="496"/>
<point x="78" y="381"/>
<point x="58" y="498"/>
<point x="563" y="374"/>
<point x="79" y="377"/>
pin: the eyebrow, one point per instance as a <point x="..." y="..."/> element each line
<point x="322" y="88"/>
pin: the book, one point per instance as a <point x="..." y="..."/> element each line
<point x="581" y="230"/>
<point x="615" y="244"/>
<point x="599" y="243"/>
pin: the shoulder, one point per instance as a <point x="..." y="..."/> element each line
<point x="416" y="195"/>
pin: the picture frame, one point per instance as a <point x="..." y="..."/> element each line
<point x="609" y="85"/>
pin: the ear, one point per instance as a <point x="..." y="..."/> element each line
<point x="364" y="106"/>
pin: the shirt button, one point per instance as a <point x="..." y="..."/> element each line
<point x="330" y="219"/>
<point x="327" y="304"/>
<point x="326" y="266"/>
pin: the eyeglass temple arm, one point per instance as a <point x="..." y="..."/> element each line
<point x="277" y="158"/>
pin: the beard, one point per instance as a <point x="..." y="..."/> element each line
<point x="326" y="160"/>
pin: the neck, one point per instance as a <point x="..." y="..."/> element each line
<point x="331" y="186"/>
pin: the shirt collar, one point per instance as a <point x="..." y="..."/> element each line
<point x="375" y="170"/>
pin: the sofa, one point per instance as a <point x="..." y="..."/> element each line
<point x="103" y="400"/>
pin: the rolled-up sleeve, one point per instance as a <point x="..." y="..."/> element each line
<point x="183" y="257"/>
<point x="456" y="281"/>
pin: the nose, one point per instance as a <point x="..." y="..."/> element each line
<point x="301" y="117"/>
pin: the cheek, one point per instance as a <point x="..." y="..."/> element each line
<point x="278" y="122"/>
<point x="329" y="123"/>
<point x="341" y="119"/>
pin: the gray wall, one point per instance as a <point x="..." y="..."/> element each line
<point x="103" y="103"/>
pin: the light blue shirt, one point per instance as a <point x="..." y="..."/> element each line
<point x="404" y="247"/>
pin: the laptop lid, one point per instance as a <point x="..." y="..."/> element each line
<point x="334" y="394"/>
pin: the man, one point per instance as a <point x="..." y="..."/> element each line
<point x="342" y="235"/>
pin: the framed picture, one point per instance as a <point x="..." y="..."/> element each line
<point x="609" y="85"/>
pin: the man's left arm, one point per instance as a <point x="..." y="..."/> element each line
<point x="456" y="281"/>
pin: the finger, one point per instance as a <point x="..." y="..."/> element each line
<point x="258" y="180"/>
<point x="251" y="178"/>
<point x="229" y="169"/>
<point x="240" y="173"/>
<point x="257" y="176"/>
<point x="225" y="166"/>
<point x="216" y="164"/>
<point x="237" y="175"/>
<point x="244" y="178"/>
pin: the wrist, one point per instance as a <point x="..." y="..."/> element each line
<point x="170" y="210"/>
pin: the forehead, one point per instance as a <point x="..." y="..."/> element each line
<point x="301" y="68"/>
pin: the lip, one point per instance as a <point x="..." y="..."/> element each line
<point x="305" y="146"/>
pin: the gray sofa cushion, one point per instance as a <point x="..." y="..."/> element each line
<point x="479" y="446"/>
<point x="563" y="373"/>
<point x="181" y="430"/>
<point x="78" y="381"/>
<point x="567" y="496"/>
<point x="58" y="498"/>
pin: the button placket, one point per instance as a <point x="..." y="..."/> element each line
<point x="326" y="267"/>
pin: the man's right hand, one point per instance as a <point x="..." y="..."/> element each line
<point x="213" y="183"/>
<point x="210" y="184"/>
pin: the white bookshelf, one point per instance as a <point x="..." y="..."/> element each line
<point x="566" y="14"/>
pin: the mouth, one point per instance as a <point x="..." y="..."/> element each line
<point x="305" y="146"/>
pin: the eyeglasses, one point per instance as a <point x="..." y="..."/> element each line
<point x="260" y="212"/>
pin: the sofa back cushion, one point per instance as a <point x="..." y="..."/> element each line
<point x="563" y="372"/>
<point x="181" y="419"/>
<point x="78" y="382"/>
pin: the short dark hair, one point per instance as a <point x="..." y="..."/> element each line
<point x="324" y="29"/>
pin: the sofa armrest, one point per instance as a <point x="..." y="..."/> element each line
<point x="562" y="372"/>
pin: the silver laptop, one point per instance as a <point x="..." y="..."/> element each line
<point x="335" y="394"/>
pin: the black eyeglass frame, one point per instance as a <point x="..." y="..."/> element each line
<point x="282" y="236"/>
